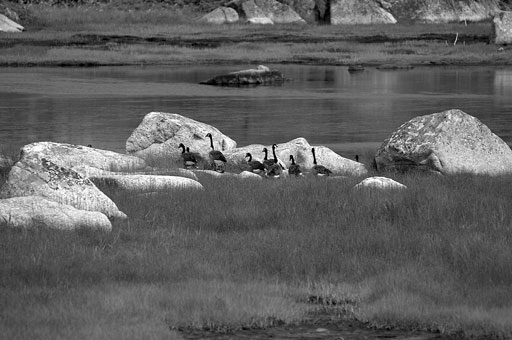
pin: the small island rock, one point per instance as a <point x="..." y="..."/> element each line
<point x="258" y="76"/>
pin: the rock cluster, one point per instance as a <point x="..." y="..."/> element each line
<point x="53" y="185"/>
<point x="337" y="12"/>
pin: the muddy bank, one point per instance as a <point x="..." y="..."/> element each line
<point x="317" y="328"/>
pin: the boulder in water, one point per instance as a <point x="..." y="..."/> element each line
<point x="259" y="76"/>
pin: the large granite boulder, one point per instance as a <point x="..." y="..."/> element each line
<point x="266" y="11"/>
<point x="502" y="28"/>
<point x="7" y="25"/>
<point x="446" y="142"/>
<point x="301" y="151"/>
<point x="158" y="136"/>
<point x="377" y="182"/>
<point x="258" y="76"/>
<point x="359" y="12"/>
<point x="37" y="212"/>
<point x="35" y="175"/>
<point x="145" y="183"/>
<point x="440" y="11"/>
<point x="221" y="15"/>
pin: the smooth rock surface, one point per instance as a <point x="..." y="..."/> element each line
<point x="35" y="212"/>
<point x="221" y="15"/>
<point x="502" y="28"/>
<point x="158" y="135"/>
<point x="301" y="150"/>
<point x="447" y="142"/>
<point x="83" y="159"/>
<point x="379" y="183"/>
<point x="257" y="76"/>
<point x="345" y="12"/>
<point x="7" y="25"/>
<point x="146" y="183"/>
<point x="34" y="175"/>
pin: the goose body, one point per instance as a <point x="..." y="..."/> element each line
<point x="217" y="158"/>
<point x="294" y="168"/>
<point x="254" y="165"/>
<point x="319" y="170"/>
<point x="189" y="159"/>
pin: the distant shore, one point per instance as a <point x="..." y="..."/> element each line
<point x="82" y="37"/>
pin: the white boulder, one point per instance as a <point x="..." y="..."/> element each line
<point x="35" y="175"/>
<point x="7" y="25"/>
<point x="37" y="212"/>
<point x="157" y="137"/>
<point x="379" y="183"/>
<point x="447" y="142"/>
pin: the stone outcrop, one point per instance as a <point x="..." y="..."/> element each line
<point x="145" y="183"/>
<point x="301" y="150"/>
<point x="447" y="142"/>
<point x="439" y="11"/>
<point x="37" y="212"/>
<point x="36" y="175"/>
<point x="266" y="11"/>
<point x="7" y="25"/>
<point x="221" y="15"/>
<point x="157" y="137"/>
<point x="379" y="183"/>
<point x="258" y="76"/>
<point x="502" y="28"/>
<point x="359" y="12"/>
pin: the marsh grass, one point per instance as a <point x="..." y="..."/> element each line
<point x="436" y="256"/>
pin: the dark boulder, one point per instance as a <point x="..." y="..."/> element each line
<point x="259" y="76"/>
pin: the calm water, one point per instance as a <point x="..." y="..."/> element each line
<point x="325" y="104"/>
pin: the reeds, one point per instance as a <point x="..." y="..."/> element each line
<point x="436" y="256"/>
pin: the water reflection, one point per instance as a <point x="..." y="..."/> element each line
<point x="325" y="104"/>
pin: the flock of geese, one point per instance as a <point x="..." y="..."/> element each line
<point x="269" y="167"/>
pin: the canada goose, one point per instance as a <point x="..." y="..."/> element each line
<point x="294" y="168"/>
<point x="189" y="159"/>
<point x="275" y="169"/>
<point x="216" y="157"/>
<point x="319" y="170"/>
<point x="267" y="163"/>
<point x="255" y="166"/>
